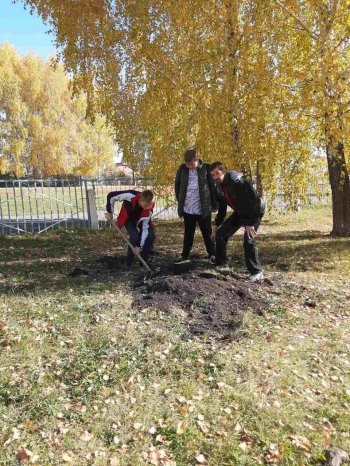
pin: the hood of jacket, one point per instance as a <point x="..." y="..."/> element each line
<point x="235" y="176"/>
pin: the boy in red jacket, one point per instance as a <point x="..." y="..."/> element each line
<point x="135" y="215"/>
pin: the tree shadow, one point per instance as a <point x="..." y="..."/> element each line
<point x="308" y="250"/>
<point x="89" y="262"/>
<point x="32" y="264"/>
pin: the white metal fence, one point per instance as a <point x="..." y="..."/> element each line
<point x="36" y="206"/>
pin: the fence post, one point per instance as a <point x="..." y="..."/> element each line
<point x="92" y="211"/>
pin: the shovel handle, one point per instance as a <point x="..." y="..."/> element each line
<point x="143" y="262"/>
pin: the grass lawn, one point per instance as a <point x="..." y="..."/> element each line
<point x="86" y="378"/>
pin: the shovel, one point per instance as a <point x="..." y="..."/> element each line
<point x="143" y="262"/>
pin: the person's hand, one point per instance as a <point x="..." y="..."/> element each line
<point x="108" y="216"/>
<point x="250" y="230"/>
<point x="137" y="250"/>
<point x="213" y="233"/>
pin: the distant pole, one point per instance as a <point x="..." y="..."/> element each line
<point x="92" y="211"/>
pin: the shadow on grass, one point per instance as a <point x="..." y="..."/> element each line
<point x="299" y="251"/>
<point x="308" y="250"/>
<point x="30" y="265"/>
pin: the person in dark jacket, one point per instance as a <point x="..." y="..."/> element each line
<point x="235" y="191"/>
<point x="195" y="194"/>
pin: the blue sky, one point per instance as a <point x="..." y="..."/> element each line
<point x="23" y="30"/>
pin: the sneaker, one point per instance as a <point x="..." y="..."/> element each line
<point x="182" y="260"/>
<point x="211" y="260"/>
<point x="221" y="262"/>
<point x="223" y="266"/>
<point x="257" y="277"/>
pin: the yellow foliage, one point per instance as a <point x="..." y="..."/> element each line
<point x="259" y="85"/>
<point x="44" y="131"/>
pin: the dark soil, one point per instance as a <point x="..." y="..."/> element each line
<point x="213" y="301"/>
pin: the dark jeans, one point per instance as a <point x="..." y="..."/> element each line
<point x="190" y="227"/>
<point x="229" y="228"/>
<point x="135" y="238"/>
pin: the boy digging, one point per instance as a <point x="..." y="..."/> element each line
<point x="135" y="215"/>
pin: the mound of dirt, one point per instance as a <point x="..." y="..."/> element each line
<point x="212" y="302"/>
<point x="209" y="292"/>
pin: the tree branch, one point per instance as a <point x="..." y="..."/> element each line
<point x="158" y="68"/>
<point x="333" y="12"/>
<point x="298" y="20"/>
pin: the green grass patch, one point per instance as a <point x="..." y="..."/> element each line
<point x="85" y="374"/>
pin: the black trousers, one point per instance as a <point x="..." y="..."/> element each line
<point x="190" y="228"/>
<point x="135" y="237"/>
<point x="224" y="233"/>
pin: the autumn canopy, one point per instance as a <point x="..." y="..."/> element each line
<point x="45" y="131"/>
<point x="261" y="85"/>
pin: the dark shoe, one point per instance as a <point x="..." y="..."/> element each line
<point x="221" y="262"/>
<point x="129" y="261"/>
<point x="126" y="267"/>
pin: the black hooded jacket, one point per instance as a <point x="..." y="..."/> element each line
<point x="239" y="194"/>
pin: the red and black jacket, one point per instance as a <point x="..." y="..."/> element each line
<point x="131" y="210"/>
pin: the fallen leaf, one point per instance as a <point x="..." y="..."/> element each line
<point x="246" y="437"/>
<point x="29" y="425"/>
<point x="183" y="409"/>
<point x="201" y="459"/>
<point x="86" y="436"/>
<point x="79" y="409"/>
<point x="114" y="461"/>
<point x="274" y="455"/>
<point x="138" y="437"/>
<point x="22" y="455"/>
<point x="301" y="442"/>
<point x="181" y="427"/>
<point x="67" y="457"/>
<point x="204" y="427"/>
<point x="181" y="399"/>
<point x="238" y="427"/>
